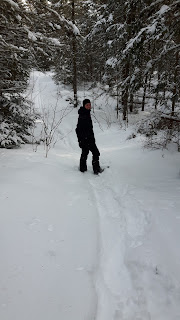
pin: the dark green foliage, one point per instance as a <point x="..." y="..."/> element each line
<point x="15" y="116"/>
<point x="131" y="46"/>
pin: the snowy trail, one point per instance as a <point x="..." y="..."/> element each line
<point x="118" y="232"/>
<point x="48" y="241"/>
<point x="136" y="279"/>
<point x="79" y="246"/>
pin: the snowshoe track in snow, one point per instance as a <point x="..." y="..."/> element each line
<point x="120" y="227"/>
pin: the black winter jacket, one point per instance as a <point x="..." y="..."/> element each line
<point x="84" y="128"/>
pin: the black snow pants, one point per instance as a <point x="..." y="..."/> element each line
<point x="95" y="157"/>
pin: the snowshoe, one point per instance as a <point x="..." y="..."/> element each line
<point x="99" y="170"/>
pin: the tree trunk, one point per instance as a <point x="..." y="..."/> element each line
<point x="117" y="102"/>
<point x="144" y="94"/>
<point x="125" y="103"/>
<point x="125" y="90"/>
<point x="74" y="58"/>
<point x="157" y="92"/>
<point x="175" y="84"/>
<point x="131" y="105"/>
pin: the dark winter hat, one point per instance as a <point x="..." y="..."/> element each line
<point x="85" y="101"/>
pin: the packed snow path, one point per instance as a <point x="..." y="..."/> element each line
<point x="48" y="239"/>
<point x="81" y="247"/>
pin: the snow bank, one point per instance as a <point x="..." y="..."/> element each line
<point x="79" y="246"/>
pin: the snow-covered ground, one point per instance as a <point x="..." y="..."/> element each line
<point x="81" y="247"/>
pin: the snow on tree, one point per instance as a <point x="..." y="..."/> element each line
<point x="15" y="112"/>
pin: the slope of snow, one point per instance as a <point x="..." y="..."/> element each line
<point x="79" y="246"/>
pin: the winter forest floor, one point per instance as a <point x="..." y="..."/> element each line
<point x="82" y="247"/>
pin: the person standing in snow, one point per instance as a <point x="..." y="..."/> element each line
<point x="85" y="135"/>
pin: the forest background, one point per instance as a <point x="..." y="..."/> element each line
<point x="130" y="48"/>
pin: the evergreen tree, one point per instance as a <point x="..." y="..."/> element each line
<point x="15" y="113"/>
<point x="29" y="39"/>
<point x="140" y="42"/>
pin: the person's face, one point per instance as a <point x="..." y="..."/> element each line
<point x="88" y="106"/>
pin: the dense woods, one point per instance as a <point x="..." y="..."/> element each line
<point x="132" y="48"/>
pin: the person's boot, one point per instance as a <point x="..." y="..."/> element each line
<point x="100" y="170"/>
<point x="83" y="166"/>
<point x="96" y="167"/>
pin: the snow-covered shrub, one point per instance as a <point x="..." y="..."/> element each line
<point x="15" y="120"/>
<point x="131" y="136"/>
<point x="150" y="125"/>
<point x="160" y="130"/>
